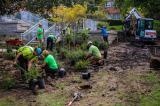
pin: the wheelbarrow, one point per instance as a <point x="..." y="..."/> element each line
<point x="13" y="43"/>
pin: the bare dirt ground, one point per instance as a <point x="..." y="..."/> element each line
<point x="116" y="84"/>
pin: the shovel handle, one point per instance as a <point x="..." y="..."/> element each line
<point x="70" y="103"/>
<point x="20" y="67"/>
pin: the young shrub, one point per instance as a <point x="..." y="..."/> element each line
<point x="82" y="65"/>
<point x="78" y="38"/>
<point x="63" y="53"/>
<point x="83" y="46"/>
<point x="9" y="55"/>
<point x="7" y="82"/>
<point x="55" y="54"/>
<point x="103" y="45"/>
<point x="96" y="43"/>
<point x="69" y="39"/>
<point x="82" y="36"/>
<point x="85" y="34"/>
<point x="33" y="73"/>
<point x="9" y="49"/>
<point x="60" y="64"/>
<point x="75" y="55"/>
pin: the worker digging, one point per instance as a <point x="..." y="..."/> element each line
<point x="77" y="54"/>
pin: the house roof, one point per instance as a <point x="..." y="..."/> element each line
<point x="112" y="10"/>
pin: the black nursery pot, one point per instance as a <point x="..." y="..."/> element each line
<point x="72" y="62"/>
<point x="41" y="83"/>
<point x="86" y="75"/>
<point x="32" y="84"/>
<point x="61" y="73"/>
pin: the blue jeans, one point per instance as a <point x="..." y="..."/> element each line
<point x="105" y="38"/>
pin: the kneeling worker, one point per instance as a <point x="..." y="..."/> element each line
<point x="25" y="55"/>
<point x="94" y="55"/>
<point x="49" y="64"/>
<point x="51" y="41"/>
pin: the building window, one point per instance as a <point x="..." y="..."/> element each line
<point x="109" y="4"/>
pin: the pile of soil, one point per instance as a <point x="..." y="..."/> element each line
<point x="127" y="56"/>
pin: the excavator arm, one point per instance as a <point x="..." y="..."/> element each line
<point x="135" y="13"/>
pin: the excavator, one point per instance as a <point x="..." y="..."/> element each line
<point x="142" y="30"/>
<point x="139" y="27"/>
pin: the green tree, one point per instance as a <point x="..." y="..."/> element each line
<point x="42" y="7"/>
<point x="150" y="8"/>
<point x="10" y="6"/>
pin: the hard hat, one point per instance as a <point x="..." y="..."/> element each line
<point x="38" y="51"/>
<point x="89" y="42"/>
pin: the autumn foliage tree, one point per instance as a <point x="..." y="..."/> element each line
<point x="68" y="14"/>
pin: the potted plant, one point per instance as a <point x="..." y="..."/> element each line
<point x="34" y="78"/>
<point x="82" y="65"/>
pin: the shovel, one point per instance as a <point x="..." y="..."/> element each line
<point x="20" y="68"/>
<point x="77" y="96"/>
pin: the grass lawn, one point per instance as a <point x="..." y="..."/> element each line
<point x="117" y="28"/>
<point x="41" y="100"/>
<point x="152" y="98"/>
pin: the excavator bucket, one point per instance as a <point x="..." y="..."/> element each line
<point x="155" y="57"/>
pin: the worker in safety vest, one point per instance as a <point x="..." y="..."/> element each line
<point x="25" y="56"/>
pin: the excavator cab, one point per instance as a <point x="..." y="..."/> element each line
<point x="144" y="29"/>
